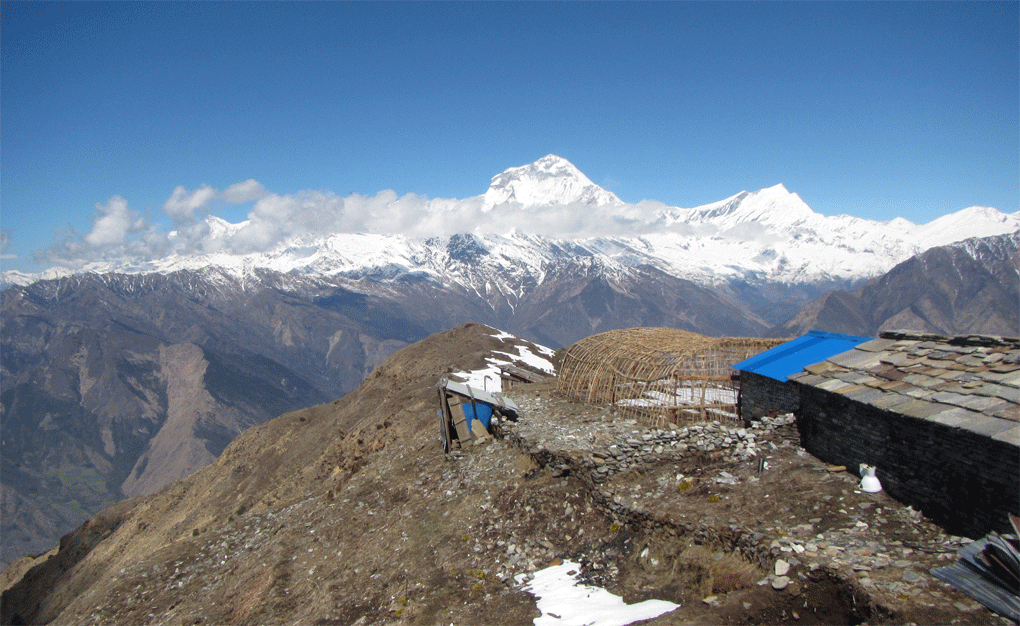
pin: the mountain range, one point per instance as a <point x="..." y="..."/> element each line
<point x="534" y="215"/>
<point x="971" y="287"/>
<point x="126" y="374"/>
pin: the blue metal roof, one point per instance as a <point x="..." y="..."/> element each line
<point x="791" y="357"/>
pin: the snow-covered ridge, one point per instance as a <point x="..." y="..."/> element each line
<point x="769" y="235"/>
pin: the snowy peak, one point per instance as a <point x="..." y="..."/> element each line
<point x="975" y="221"/>
<point x="551" y="180"/>
<point x="774" y="206"/>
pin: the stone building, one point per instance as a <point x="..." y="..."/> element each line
<point x="764" y="378"/>
<point x="938" y="416"/>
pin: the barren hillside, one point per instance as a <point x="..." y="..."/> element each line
<point x="349" y="512"/>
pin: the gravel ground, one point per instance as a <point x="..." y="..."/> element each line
<point x="750" y="490"/>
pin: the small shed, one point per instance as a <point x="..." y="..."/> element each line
<point x="764" y="378"/>
<point x="466" y="413"/>
<point x="939" y="417"/>
<point x="658" y="375"/>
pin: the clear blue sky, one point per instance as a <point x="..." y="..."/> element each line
<point x="873" y="109"/>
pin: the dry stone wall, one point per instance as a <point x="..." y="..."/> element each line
<point x="761" y="396"/>
<point x="965" y="481"/>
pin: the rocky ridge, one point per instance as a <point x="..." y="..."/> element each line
<point x="349" y="512"/>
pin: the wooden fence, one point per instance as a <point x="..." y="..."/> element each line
<point x="659" y="375"/>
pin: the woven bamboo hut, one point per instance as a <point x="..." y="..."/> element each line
<point x="659" y="375"/>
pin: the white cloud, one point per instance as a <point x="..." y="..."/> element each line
<point x="182" y="205"/>
<point x="113" y="222"/>
<point x="275" y="218"/>
<point x="239" y="193"/>
<point x="120" y="234"/>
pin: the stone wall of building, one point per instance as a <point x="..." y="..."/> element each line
<point x="761" y="396"/>
<point x="965" y="481"/>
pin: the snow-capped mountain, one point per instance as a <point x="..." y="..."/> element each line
<point x="764" y="237"/>
<point x="551" y="180"/>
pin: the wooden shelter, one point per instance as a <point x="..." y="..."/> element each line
<point x="659" y="375"/>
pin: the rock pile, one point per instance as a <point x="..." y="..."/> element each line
<point x="609" y="445"/>
<point x="660" y="444"/>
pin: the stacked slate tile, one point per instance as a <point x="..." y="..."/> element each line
<point x="989" y="572"/>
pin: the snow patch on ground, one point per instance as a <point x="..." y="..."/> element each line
<point x="502" y="335"/>
<point x="526" y="356"/>
<point x="487" y="378"/>
<point x="564" y="602"/>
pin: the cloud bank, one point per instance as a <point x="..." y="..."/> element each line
<point x="120" y="233"/>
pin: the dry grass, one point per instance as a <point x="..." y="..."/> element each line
<point x="726" y="570"/>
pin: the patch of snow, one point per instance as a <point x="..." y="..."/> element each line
<point x="502" y="334"/>
<point x="526" y="356"/>
<point x="490" y="375"/>
<point x="484" y="378"/>
<point x="684" y="396"/>
<point x="564" y="602"/>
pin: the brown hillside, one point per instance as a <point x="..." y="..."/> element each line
<point x="972" y="287"/>
<point x="352" y="466"/>
<point x="349" y="513"/>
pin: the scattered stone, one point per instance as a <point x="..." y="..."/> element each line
<point x="780" y="583"/>
<point x="911" y="576"/>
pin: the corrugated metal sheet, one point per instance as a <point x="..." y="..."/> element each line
<point x="793" y="356"/>
<point x="479" y="395"/>
<point x="989" y="572"/>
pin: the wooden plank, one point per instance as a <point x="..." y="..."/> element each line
<point x="530" y="377"/>
<point x="445" y="408"/>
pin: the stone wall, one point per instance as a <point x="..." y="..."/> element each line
<point x="761" y="396"/>
<point x="964" y="481"/>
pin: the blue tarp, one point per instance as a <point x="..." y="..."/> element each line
<point x="477" y="411"/>
<point x="793" y="356"/>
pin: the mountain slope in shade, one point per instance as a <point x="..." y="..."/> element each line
<point x="375" y="452"/>
<point x="967" y="288"/>
<point x="113" y="386"/>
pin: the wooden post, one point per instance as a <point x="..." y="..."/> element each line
<point x="445" y="408"/>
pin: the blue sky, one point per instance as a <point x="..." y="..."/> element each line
<point x="873" y="109"/>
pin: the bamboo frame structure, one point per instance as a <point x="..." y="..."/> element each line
<point x="659" y="375"/>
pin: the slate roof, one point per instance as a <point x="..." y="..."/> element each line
<point x="970" y="382"/>
<point x="791" y="357"/>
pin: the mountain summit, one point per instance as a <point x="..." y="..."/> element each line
<point x="551" y="180"/>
